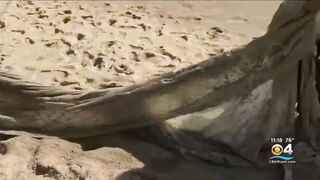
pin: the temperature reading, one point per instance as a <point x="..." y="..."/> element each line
<point x="289" y="140"/>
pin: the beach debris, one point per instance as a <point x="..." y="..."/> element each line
<point x="87" y="17"/>
<point x="136" y="47"/>
<point x="143" y="26"/>
<point x="123" y="69"/>
<point x="149" y="55"/>
<point x="68" y="83"/>
<point x="66" y="19"/>
<point x="111" y="43"/>
<point x="67" y="11"/>
<point x="135" y="56"/>
<point x="70" y="52"/>
<point x="217" y="29"/>
<point x="2" y="25"/>
<point x="30" y="40"/>
<point x="98" y="62"/>
<point x="56" y="30"/>
<point x="41" y="16"/>
<point x="128" y="27"/>
<point x="80" y="36"/>
<point x="112" y="22"/>
<point x="19" y="31"/>
<point x="184" y="37"/>
<point x="51" y="44"/>
<point x="90" y="56"/>
<point x="110" y="85"/>
<point x="66" y="42"/>
<point x="166" y="53"/>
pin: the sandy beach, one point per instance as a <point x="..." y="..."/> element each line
<point x="96" y="45"/>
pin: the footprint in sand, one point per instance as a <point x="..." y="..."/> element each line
<point x="238" y="18"/>
<point x="187" y="5"/>
<point x="122" y="35"/>
<point x="145" y="40"/>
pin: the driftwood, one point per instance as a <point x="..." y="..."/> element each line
<point x="236" y="101"/>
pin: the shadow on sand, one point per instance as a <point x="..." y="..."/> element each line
<point x="161" y="163"/>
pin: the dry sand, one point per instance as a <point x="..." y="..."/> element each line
<point x="91" y="45"/>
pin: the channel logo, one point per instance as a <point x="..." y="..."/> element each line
<point x="281" y="155"/>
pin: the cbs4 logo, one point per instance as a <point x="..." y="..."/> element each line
<point x="277" y="149"/>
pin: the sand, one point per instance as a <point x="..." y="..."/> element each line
<point x="96" y="45"/>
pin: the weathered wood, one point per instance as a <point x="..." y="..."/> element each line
<point x="205" y="85"/>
